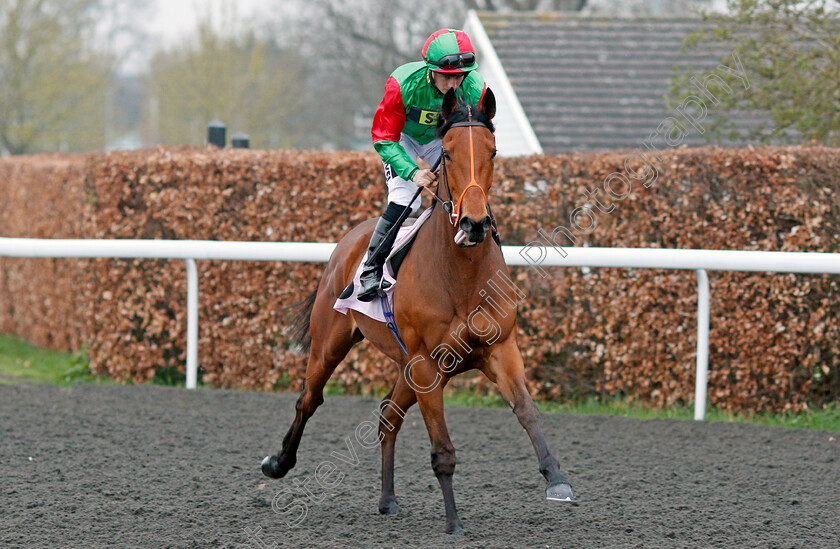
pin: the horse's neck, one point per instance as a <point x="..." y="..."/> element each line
<point x="462" y="269"/>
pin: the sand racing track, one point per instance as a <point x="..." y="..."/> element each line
<point x="149" y="466"/>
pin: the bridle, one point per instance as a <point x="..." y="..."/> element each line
<point x="451" y="207"/>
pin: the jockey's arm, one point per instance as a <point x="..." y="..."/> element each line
<point x="388" y="123"/>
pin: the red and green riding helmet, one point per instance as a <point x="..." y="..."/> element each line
<point x="449" y="51"/>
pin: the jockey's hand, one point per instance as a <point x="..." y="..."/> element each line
<point x="424" y="178"/>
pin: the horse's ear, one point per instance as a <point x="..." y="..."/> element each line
<point x="450" y="104"/>
<point x="488" y="104"/>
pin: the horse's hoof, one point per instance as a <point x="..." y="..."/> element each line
<point x="559" y="492"/>
<point x="455" y="528"/>
<point x="272" y="467"/>
<point x="389" y="507"/>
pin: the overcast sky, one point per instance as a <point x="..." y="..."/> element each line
<point x="176" y="18"/>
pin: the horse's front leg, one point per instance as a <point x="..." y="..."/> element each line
<point x="428" y="385"/>
<point x="504" y="367"/>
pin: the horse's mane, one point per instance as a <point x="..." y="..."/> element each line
<point x="462" y="114"/>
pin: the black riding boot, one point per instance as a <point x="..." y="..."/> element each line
<point x="372" y="270"/>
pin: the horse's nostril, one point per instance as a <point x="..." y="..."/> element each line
<point x="475" y="229"/>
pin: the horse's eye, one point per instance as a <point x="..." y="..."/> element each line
<point x="494" y="154"/>
<point x="445" y="154"/>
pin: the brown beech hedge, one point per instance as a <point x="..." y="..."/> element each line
<point x="599" y="332"/>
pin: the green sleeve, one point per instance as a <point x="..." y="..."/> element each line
<point x="394" y="154"/>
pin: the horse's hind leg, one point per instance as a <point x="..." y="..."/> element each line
<point x="392" y="411"/>
<point x="332" y="337"/>
<point x="505" y="368"/>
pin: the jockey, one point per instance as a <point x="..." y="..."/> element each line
<point x="404" y="129"/>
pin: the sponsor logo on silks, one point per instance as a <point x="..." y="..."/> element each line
<point x="423" y="116"/>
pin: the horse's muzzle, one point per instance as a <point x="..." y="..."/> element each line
<point x="471" y="232"/>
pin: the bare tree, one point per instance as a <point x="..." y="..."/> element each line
<point x="352" y="46"/>
<point x="119" y="29"/>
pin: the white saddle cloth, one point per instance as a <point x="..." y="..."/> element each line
<point x="373" y="309"/>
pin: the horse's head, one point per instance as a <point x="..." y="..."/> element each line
<point x="467" y="166"/>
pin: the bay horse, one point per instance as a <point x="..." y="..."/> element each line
<point x="436" y="297"/>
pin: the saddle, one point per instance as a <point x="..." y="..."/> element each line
<point x="402" y="245"/>
<point x="405" y="238"/>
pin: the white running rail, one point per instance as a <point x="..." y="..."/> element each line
<point x="636" y="258"/>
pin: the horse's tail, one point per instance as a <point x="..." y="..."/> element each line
<point x="298" y="330"/>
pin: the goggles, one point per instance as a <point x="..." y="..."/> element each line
<point x="454" y="61"/>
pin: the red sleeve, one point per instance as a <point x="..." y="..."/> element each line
<point x="389" y="119"/>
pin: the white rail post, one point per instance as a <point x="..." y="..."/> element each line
<point x="192" y="323"/>
<point x="702" y="381"/>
